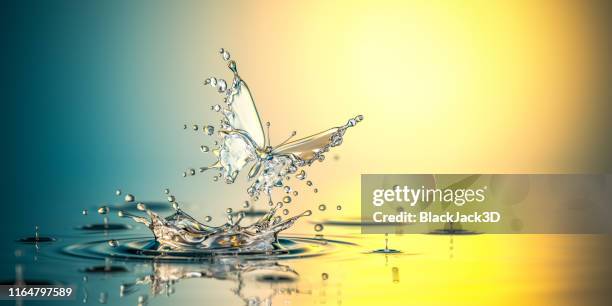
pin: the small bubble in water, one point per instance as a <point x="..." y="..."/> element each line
<point x="195" y="127"/>
<point x="171" y="198"/>
<point x="322" y="207"/>
<point x="216" y="107"/>
<point x="315" y="190"/>
<point x="129" y="198"/>
<point x="166" y="191"/>
<point x="84" y="212"/>
<point x="184" y="126"/>
<point x="279" y="204"/>
<point x="208" y="218"/>
<point x="141" y="207"/>
<point x="295" y="193"/>
<point x="301" y="175"/>
<point x="204" y="149"/>
<point x="103" y="210"/>
<point x="287" y="199"/>
<point x="113" y="243"/>
<point x="216" y="178"/>
<point x="287" y="189"/>
<point x="246" y="204"/>
<point x="229" y="210"/>
<point x="184" y="174"/>
<point x="192" y="172"/>
<point x="338" y="207"/>
<point x="118" y="192"/>
<point x="309" y="183"/>
<point x="324" y="276"/>
<point x="210" y="130"/>
<point x="318" y="227"/>
<point x="285" y="211"/>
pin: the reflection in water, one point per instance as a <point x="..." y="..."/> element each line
<point x="247" y="276"/>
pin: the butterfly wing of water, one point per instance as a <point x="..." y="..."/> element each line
<point x="242" y="143"/>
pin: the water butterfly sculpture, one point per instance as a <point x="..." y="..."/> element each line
<point x="243" y="141"/>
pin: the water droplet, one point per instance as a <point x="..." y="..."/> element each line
<point x="141" y="207"/>
<point x="118" y="192"/>
<point x="210" y="130"/>
<point x="318" y="227"/>
<point x="324" y="276"/>
<point x="216" y="178"/>
<point x="285" y="211"/>
<point x="309" y="183"/>
<point x="121" y="214"/>
<point x="208" y="218"/>
<point x="103" y="210"/>
<point x="113" y="243"/>
<point x="287" y="189"/>
<point x="301" y="175"/>
<point x="171" y="198"/>
<point x="192" y="172"/>
<point x="246" y="204"/>
<point x="322" y="207"/>
<point x="142" y="299"/>
<point x="287" y="199"/>
<point x="84" y="212"/>
<point x="232" y="66"/>
<point x="204" y="149"/>
<point x="195" y="127"/>
<point x="128" y="198"/>
<point x="295" y="192"/>
<point x="338" y="207"/>
<point x="184" y="174"/>
<point x="229" y="210"/>
<point x="212" y="81"/>
<point x="307" y="213"/>
<point x="359" y="118"/>
<point x="315" y="190"/>
<point x="166" y="191"/>
<point x="184" y="126"/>
<point x="221" y="86"/>
<point x="175" y="205"/>
<point x="224" y="54"/>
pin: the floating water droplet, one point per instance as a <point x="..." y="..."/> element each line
<point x="216" y="107"/>
<point x="184" y="126"/>
<point x="84" y="212"/>
<point x="287" y="199"/>
<point x="192" y="172"/>
<point x="359" y="118"/>
<point x="128" y="198"/>
<point x="113" y="243"/>
<point x="166" y="191"/>
<point x="142" y="299"/>
<point x="141" y="207"/>
<point x="224" y="54"/>
<point x="309" y="183"/>
<point x="210" y="130"/>
<point x="121" y="214"/>
<point x="204" y="148"/>
<point x="103" y="210"/>
<point x="184" y="174"/>
<point x="195" y="127"/>
<point x="295" y="192"/>
<point x="315" y="190"/>
<point x="318" y="227"/>
<point x="208" y="218"/>
<point x="213" y="81"/>
<point x="287" y="189"/>
<point x="307" y="213"/>
<point x="246" y="204"/>
<point x="175" y="205"/>
<point x="324" y="276"/>
<point x="229" y="210"/>
<point x="285" y="211"/>
<point x="301" y="175"/>
<point x="338" y="207"/>
<point x="322" y="207"/>
<point x="232" y="66"/>
<point x="171" y="198"/>
<point x="216" y="178"/>
<point x="118" y="192"/>
<point x="221" y="86"/>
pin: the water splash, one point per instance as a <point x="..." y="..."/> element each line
<point x="242" y="142"/>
